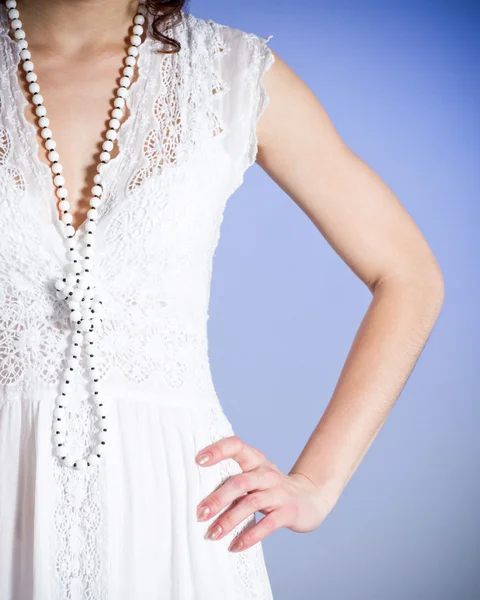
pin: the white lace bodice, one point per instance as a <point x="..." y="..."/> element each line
<point x="189" y="138"/>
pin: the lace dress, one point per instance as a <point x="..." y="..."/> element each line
<point x="126" y="529"/>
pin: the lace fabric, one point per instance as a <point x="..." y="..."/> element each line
<point x="183" y="150"/>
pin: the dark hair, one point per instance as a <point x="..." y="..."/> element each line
<point x="165" y="13"/>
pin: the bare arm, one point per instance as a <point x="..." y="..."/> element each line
<point x="371" y="231"/>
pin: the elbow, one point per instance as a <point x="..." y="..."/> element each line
<point x="426" y="281"/>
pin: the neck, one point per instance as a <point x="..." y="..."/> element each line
<point x="70" y="26"/>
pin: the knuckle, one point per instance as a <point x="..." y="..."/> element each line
<point x="272" y="473"/>
<point x="259" y="453"/>
<point x="255" y="501"/>
<point x="215" y="502"/>
<point x="241" y="481"/>
<point x="227" y="522"/>
<point x="270" y="524"/>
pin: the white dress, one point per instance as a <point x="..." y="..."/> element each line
<point x="126" y="529"/>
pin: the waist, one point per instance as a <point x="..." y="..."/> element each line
<point x="116" y="387"/>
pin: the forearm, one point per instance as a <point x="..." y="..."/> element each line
<point x="385" y="349"/>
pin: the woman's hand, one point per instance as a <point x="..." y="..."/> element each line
<point x="291" y="501"/>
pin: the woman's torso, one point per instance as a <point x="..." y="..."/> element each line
<point x="181" y="154"/>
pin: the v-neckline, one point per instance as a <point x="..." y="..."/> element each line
<point x="41" y="171"/>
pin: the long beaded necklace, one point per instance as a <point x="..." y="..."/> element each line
<point x="78" y="288"/>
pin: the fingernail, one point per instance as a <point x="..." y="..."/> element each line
<point x="214" y="532"/>
<point x="237" y="544"/>
<point x="202" y="513"/>
<point x="203" y="458"/>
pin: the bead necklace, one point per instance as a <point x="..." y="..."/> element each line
<point x="78" y="288"/>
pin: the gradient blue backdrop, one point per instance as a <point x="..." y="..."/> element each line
<point x="400" y="81"/>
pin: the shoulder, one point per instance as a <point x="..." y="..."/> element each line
<point x="220" y="37"/>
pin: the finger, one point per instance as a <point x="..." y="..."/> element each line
<point x="239" y="511"/>
<point x="236" y="486"/>
<point x="246" y="456"/>
<point x="264" y="527"/>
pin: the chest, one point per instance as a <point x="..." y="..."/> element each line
<point x="78" y="93"/>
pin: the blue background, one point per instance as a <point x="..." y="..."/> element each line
<point x="400" y="80"/>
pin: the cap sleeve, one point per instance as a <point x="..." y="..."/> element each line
<point x="247" y="58"/>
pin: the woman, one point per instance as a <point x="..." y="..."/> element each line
<point x="116" y="456"/>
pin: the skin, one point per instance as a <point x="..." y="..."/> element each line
<point x="347" y="201"/>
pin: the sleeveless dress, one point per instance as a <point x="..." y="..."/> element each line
<point x="126" y="528"/>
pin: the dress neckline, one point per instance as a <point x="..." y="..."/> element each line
<point x="42" y="172"/>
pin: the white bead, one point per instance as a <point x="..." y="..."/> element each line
<point x="62" y="451"/>
<point x="101" y="412"/>
<point x="13" y="13"/>
<point x="135" y="40"/>
<point x="81" y="464"/>
<point x="84" y="326"/>
<point x="34" y="89"/>
<point x="75" y="316"/>
<point x="65" y="388"/>
<point x="22" y="44"/>
<point x="91" y="336"/>
<point x="37" y="99"/>
<point x="59" y="438"/>
<point x="69" y="230"/>
<point x="17" y="24"/>
<point x="139" y="19"/>
<point x="94" y="201"/>
<point x="53" y="155"/>
<point x="59" y="180"/>
<point x="73" y="254"/>
<point x="77" y="338"/>
<point x="119" y="102"/>
<point x="50" y="144"/>
<point x="130" y="61"/>
<point x="40" y="111"/>
<point x="137" y="29"/>
<point x="122" y="92"/>
<point x="11" y="3"/>
<point x="57" y="167"/>
<point x="28" y="65"/>
<point x="117" y="113"/>
<point x="67" y="218"/>
<point x="97" y="178"/>
<point x="19" y="34"/>
<point x="94" y="386"/>
<point x="68" y="461"/>
<point x="77" y="295"/>
<point x="100" y="449"/>
<point x="92" y="213"/>
<point x="107" y="145"/>
<point x="105" y="157"/>
<point x="132" y="51"/>
<point x="128" y="71"/>
<point x="60" y="426"/>
<point x="93" y="459"/>
<point x="71" y="280"/>
<point x="73" y="304"/>
<point x="46" y="133"/>
<point x="43" y="121"/>
<point x="125" y="82"/>
<point x="103" y="435"/>
<point x="59" y="413"/>
<point x="114" y="123"/>
<point x="111" y="134"/>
